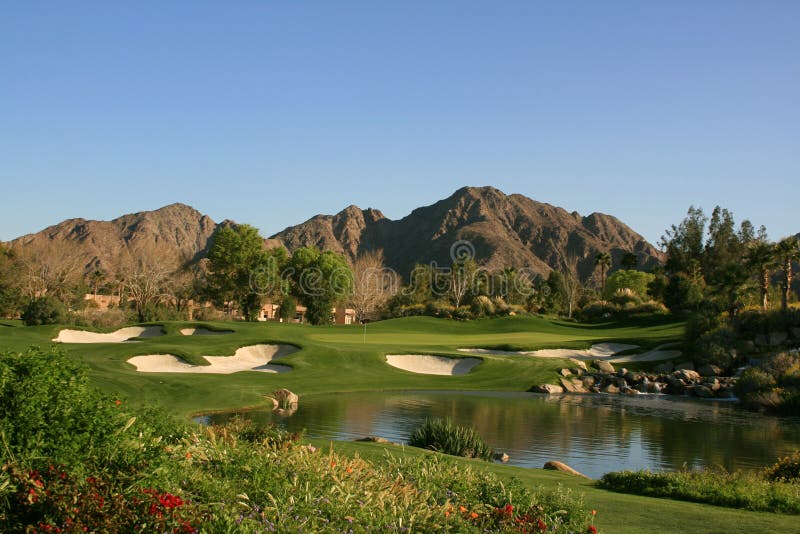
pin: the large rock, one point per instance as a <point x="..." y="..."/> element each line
<point x="573" y="386"/>
<point x="687" y="375"/>
<point x="501" y="457"/>
<point x="604" y="366"/>
<point x="675" y="386"/>
<point x="588" y="381"/>
<point x="702" y="392"/>
<point x="564" y="468"/>
<point x="580" y="364"/>
<point x="610" y="388"/>
<point x="550" y="389"/>
<point x="565" y="372"/>
<point x="284" y="402"/>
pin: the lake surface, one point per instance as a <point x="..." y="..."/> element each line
<point x="594" y="434"/>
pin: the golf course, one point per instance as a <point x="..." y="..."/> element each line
<point x="317" y="361"/>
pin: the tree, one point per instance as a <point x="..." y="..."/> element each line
<point x="44" y="310"/>
<point x="760" y="260"/>
<point x="630" y="261"/>
<point x="241" y="271"/>
<point x="95" y="278"/>
<point x="10" y="298"/>
<point x="787" y="251"/>
<point x="572" y="281"/>
<point x="373" y="283"/>
<point x="146" y="275"/>
<point x="603" y="260"/>
<point x="731" y="289"/>
<point x="684" y="243"/>
<point x="51" y="268"/>
<point x="462" y="277"/>
<point x="319" y="281"/>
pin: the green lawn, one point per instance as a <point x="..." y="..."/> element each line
<point x="337" y="358"/>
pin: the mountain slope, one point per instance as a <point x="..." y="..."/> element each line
<point x="504" y="230"/>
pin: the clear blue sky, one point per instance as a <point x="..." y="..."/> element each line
<point x="271" y="112"/>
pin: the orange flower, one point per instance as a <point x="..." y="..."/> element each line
<point x="333" y="464"/>
<point x="188" y="454"/>
<point x="117" y="402"/>
<point x="447" y="513"/>
<point x="462" y="509"/>
<point x="594" y="512"/>
<point x="349" y="470"/>
<point x="473" y="515"/>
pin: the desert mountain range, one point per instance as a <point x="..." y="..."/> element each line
<point x="503" y="230"/>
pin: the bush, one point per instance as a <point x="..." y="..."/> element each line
<point x="482" y="306"/>
<point x="753" y="380"/>
<point x="443" y="435"/>
<point x="786" y="469"/>
<point x="44" y="310"/>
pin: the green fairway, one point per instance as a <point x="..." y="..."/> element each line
<point x="337" y="358"/>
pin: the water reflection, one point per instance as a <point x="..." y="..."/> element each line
<point x="594" y="434"/>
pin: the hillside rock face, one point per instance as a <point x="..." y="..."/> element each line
<point x="181" y="233"/>
<point x="504" y="230"/>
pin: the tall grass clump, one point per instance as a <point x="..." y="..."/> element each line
<point x="443" y="435"/>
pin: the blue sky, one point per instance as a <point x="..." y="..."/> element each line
<point x="271" y="112"/>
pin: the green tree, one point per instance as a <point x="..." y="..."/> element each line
<point x="462" y="278"/>
<point x="683" y="292"/>
<point x="630" y="261"/>
<point x="732" y="288"/>
<point x="683" y="244"/>
<point x="241" y="271"/>
<point x="10" y="296"/>
<point x="603" y="260"/>
<point x="320" y="280"/>
<point x="787" y="251"/>
<point x="760" y="260"/>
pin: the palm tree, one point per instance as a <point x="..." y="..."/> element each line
<point x="787" y="251"/>
<point x="95" y="277"/>
<point x="603" y="260"/>
<point x="760" y="259"/>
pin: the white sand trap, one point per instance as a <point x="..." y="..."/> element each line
<point x="252" y="358"/>
<point x="432" y="365"/>
<point x="120" y="336"/>
<point x="204" y="332"/>
<point x="600" y="351"/>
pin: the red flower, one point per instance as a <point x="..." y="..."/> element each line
<point x="591" y="530"/>
<point x="541" y="525"/>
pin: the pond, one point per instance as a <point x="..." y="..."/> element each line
<point x="594" y="434"/>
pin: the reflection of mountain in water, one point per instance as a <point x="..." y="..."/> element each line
<point x="594" y="434"/>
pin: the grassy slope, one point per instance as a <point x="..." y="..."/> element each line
<point x="335" y="359"/>
<point x="617" y="513"/>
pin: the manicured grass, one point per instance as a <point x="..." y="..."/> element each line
<point x="616" y="512"/>
<point x="336" y="358"/>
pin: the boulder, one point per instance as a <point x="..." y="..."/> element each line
<point x="284" y="402"/>
<point x="632" y="377"/>
<point x="685" y="365"/>
<point x="376" y="439"/>
<point x="572" y="386"/>
<point x="580" y="364"/>
<point x="710" y="370"/>
<point x="501" y="457"/>
<point x="645" y="386"/>
<point x="604" y="366"/>
<point x="565" y="372"/>
<point x="550" y="389"/>
<point x="711" y="383"/>
<point x="630" y="391"/>
<point x="657" y="387"/>
<point x="588" y="381"/>
<point x="687" y="375"/>
<point x="564" y="468"/>
<point x="675" y="386"/>
<point x="610" y="388"/>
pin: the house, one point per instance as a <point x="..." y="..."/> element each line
<point x="344" y="316"/>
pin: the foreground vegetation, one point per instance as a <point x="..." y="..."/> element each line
<point x="750" y="491"/>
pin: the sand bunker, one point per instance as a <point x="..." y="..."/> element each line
<point x="600" y="351"/>
<point x="204" y="332"/>
<point x="120" y="336"/>
<point x="252" y="358"/>
<point x="432" y="365"/>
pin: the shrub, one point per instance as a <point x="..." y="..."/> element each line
<point x="752" y="380"/>
<point x="44" y="310"/>
<point x="443" y="435"/>
<point x="786" y="469"/>
<point x="482" y="306"/>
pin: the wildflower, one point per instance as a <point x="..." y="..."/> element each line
<point x="333" y="464"/>
<point x="188" y="454"/>
<point x="117" y="402"/>
<point x="473" y="515"/>
<point x="447" y="513"/>
<point x="594" y="512"/>
<point x="591" y="530"/>
<point x="311" y="448"/>
<point x="541" y="525"/>
<point x="462" y="509"/>
<point x="349" y="470"/>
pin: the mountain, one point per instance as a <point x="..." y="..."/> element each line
<point x="499" y="230"/>
<point x="180" y="232"/>
<point x="503" y="230"/>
